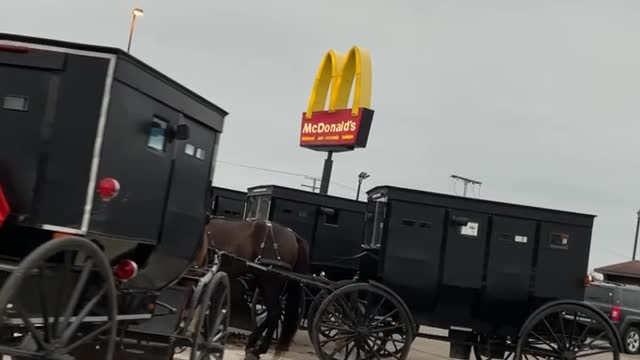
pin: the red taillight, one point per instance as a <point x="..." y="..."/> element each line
<point x="615" y="313"/>
<point x="108" y="188"/>
<point x="126" y="270"/>
<point x="14" y="48"/>
<point x="4" y="207"/>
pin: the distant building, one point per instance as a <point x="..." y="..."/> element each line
<point x="626" y="272"/>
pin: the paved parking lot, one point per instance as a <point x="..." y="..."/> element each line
<point x="422" y="349"/>
<point x="303" y="350"/>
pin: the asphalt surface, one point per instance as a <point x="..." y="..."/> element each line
<point x="422" y="349"/>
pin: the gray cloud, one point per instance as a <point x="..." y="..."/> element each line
<point x="538" y="99"/>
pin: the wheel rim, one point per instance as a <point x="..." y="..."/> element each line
<point x="317" y="301"/>
<point x="218" y="320"/>
<point x="633" y="341"/>
<point x="361" y="321"/>
<point x="567" y="332"/>
<point x="212" y="326"/>
<point x="60" y="301"/>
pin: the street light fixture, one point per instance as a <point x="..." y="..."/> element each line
<point x="363" y="175"/>
<point x="135" y="12"/>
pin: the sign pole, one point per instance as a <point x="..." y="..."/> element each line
<point x="326" y="173"/>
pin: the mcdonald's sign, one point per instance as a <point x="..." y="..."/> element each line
<point x="340" y="127"/>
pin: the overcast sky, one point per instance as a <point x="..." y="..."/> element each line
<point x="537" y="99"/>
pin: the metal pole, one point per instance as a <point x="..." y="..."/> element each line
<point x="326" y="173"/>
<point x="635" y="241"/>
<point x="133" y="24"/>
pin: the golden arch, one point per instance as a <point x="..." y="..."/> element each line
<point x="337" y="73"/>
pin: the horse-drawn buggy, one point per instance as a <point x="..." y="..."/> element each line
<point x="332" y="226"/>
<point x="227" y="203"/>
<point x="105" y="167"/>
<point x="505" y="280"/>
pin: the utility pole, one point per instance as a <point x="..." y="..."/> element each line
<point x="635" y="241"/>
<point x="363" y="175"/>
<point x="312" y="187"/>
<point x="466" y="182"/>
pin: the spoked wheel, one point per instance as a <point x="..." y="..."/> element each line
<point x="569" y="332"/>
<point x="60" y="303"/>
<point x="320" y="297"/>
<point x="212" y="320"/>
<point x="361" y="321"/>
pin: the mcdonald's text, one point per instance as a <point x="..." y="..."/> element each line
<point x="336" y="129"/>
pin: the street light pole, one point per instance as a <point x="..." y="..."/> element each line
<point x="363" y="175"/>
<point x="635" y="241"/>
<point x="135" y="13"/>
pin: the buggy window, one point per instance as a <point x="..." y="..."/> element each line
<point x="17" y="103"/>
<point x="258" y="208"/>
<point x="157" y="134"/>
<point x="599" y="294"/>
<point x="379" y="216"/>
<point x="330" y="216"/>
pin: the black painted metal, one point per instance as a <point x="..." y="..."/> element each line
<point x="56" y="129"/>
<point x="490" y="277"/>
<point x="333" y="226"/>
<point x="227" y="203"/>
<point x="46" y="152"/>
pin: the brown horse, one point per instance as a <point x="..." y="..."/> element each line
<point x="267" y="244"/>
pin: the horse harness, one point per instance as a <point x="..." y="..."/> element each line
<point x="278" y="260"/>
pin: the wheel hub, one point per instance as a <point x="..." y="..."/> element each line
<point x="362" y="331"/>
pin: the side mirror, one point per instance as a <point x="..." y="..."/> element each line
<point x="182" y="132"/>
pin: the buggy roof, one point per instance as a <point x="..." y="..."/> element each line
<point x="499" y="208"/>
<point x="118" y="52"/>
<point x="307" y="197"/>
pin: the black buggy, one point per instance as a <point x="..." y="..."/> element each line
<point x="505" y="280"/>
<point x="106" y="165"/>
<point x="333" y="227"/>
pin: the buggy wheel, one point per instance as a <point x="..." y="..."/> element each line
<point x="317" y="301"/>
<point x="567" y="331"/>
<point x="212" y="320"/>
<point x="60" y="302"/>
<point x="362" y="321"/>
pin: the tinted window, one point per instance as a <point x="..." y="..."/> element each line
<point x="630" y="298"/>
<point x="157" y="134"/>
<point x="599" y="294"/>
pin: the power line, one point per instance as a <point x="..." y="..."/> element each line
<point x="284" y="173"/>
<point x="312" y="187"/>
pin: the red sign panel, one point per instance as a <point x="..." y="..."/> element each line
<point x="336" y="131"/>
<point x="4" y="207"/>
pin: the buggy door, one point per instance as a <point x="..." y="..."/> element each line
<point x="185" y="212"/>
<point x="190" y="182"/>
<point x="23" y="111"/>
